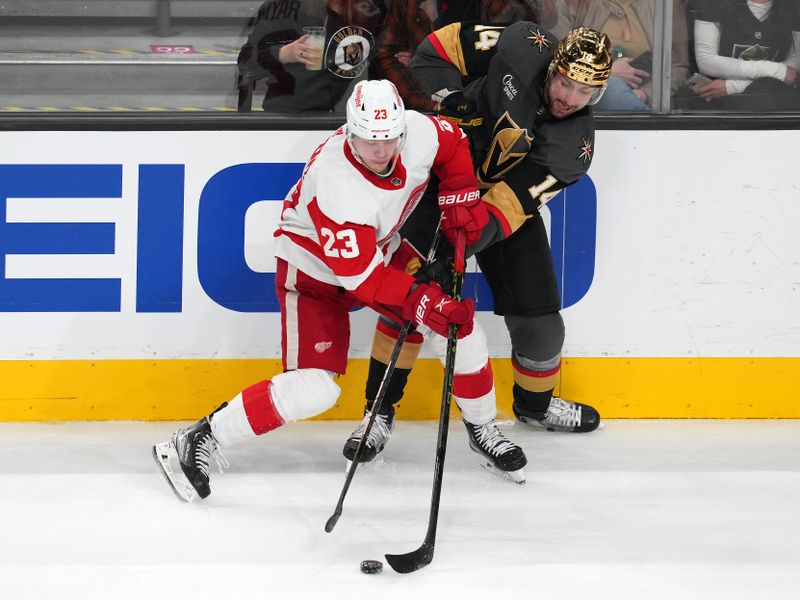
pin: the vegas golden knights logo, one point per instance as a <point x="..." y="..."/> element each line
<point x="354" y="53"/>
<point x="348" y="51"/>
<point x="508" y="147"/>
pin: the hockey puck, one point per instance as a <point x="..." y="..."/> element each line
<point x="371" y="567"/>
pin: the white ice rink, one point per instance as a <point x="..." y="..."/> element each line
<point x="645" y="510"/>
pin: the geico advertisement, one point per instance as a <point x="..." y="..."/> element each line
<point x="139" y="244"/>
<point x="159" y="245"/>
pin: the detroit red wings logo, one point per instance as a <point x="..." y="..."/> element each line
<point x="321" y="347"/>
<point x="586" y="149"/>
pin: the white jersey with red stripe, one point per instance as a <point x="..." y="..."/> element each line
<point x="340" y="221"/>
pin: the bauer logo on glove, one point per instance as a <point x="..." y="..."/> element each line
<point x="460" y="111"/>
<point x="422" y="308"/>
<point x="429" y="305"/>
<point x="463" y="210"/>
<point x="459" y="198"/>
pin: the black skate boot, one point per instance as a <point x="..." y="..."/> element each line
<point x="379" y="435"/>
<point x="502" y="456"/>
<point x="562" y="415"/>
<point x="192" y="449"/>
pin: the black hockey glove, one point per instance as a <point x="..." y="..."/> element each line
<point x="460" y="111"/>
<point x="438" y="271"/>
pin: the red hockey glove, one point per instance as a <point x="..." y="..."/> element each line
<point x="463" y="209"/>
<point x="427" y="304"/>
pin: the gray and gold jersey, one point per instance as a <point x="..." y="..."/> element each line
<point x="522" y="152"/>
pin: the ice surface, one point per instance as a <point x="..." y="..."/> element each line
<point x="645" y="510"/>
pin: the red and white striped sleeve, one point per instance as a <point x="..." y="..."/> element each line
<point x="453" y="162"/>
<point x="350" y="250"/>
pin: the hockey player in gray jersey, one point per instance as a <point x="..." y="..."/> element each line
<point x="525" y="99"/>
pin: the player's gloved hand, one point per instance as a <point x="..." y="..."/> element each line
<point x="428" y="305"/>
<point x="460" y="111"/>
<point x="463" y="209"/>
<point x="437" y="271"/>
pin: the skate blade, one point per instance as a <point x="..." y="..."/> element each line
<point x="167" y="460"/>
<point x="539" y="426"/>
<point x="517" y="476"/>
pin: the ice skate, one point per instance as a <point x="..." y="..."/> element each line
<point x="184" y="460"/>
<point x="562" y="415"/>
<point x="500" y="455"/>
<point x="379" y="435"/>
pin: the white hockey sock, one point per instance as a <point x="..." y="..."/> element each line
<point x="230" y="424"/>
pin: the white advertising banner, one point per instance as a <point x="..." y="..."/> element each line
<point x="125" y="245"/>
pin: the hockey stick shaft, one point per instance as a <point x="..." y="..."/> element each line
<point x="422" y="556"/>
<point x="376" y="405"/>
<point x="387" y="375"/>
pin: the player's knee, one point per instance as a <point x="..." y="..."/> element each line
<point x="538" y="338"/>
<point x="536" y="358"/>
<point x="473" y="351"/>
<point x="304" y="393"/>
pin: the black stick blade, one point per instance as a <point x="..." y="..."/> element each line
<point x="331" y="523"/>
<point x="412" y="561"/>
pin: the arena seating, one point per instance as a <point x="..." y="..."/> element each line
<point x="121" y="54"/>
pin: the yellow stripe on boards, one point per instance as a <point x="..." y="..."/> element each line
<point x="188" y="389"/>
<point x="691" y="388"/>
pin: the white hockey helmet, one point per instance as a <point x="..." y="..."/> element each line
<point x="375" y="111"/>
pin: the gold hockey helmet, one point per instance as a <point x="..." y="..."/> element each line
<point x="584" y="55"/>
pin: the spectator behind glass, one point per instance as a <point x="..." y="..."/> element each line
<point x="410" y="21"/>
<point x="629" y="24"/>
<point x="748" y="55"/>
<point x="279" y="50"/>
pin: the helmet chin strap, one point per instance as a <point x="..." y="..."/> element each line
<point x="389" y="168"/>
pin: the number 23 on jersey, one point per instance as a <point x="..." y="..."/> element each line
<point x="339" y="244"/>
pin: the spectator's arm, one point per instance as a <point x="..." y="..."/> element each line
<point x="394" y="39"/>
<point x="709" y="61"/>
<point x="736" y="86"/>
<point x="793" y="58"/>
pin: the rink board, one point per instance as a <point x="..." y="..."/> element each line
<point x="137" y="274"/>
<point x="184" y="389"/>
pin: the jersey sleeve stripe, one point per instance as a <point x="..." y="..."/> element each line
<point x="305" y="243"/>
<point x="447" y="43"/>
<point x="500" y="218"/>
<point x="503" y="203"/>
<point x="351" y="282"/>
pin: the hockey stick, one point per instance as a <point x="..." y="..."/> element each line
<point x="422" y="556"/>
<point x="376" y="405"/>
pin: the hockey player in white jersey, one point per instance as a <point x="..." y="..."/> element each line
<point x="338" y="247"/>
